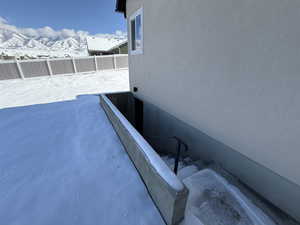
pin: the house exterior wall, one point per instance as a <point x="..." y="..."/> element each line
<point x="123" y="49"/>
<point x="229" y="69"/>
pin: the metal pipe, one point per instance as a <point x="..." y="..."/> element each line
<point x="178" y="152"/>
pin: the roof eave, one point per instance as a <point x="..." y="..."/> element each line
<point x="118" y="45"/>
<point x="121" y="7"/>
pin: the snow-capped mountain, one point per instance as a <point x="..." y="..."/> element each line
<point x="35" y="44"/>
<point x="46" y="42"/>
<point x="13" y="40"/>
<point x="68" y="43"/>
<point x="14" y="43"/>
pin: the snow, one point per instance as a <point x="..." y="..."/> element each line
<point x="62" y="163"/>
<point x="60" y="88"/>
<point x="43" y="53"/>
<point x="14" y="43"/>
<point x="213" y="201"/>
<point x="187" y="171"/>
<point x="170" y="162"/>
<point x="102" y="43"/>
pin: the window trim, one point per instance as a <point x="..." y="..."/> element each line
<point x="131" y="18"/>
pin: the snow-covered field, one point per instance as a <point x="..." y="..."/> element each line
<point x="60" y="88"/>
<point x="62" y="163"/>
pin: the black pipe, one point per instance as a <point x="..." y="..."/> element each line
<point x="179" y="143"/>
<point x="177" y="157"/>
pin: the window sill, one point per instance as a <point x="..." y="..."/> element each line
<point x="137" y="52"/>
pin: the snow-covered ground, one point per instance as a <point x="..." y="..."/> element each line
<point x="45" y="53"/>
<point x="60" y="88"/>
<point x="63" y="163"/>
<point x="212" y="199"/>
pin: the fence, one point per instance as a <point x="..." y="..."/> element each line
<point x="53" y="67"/>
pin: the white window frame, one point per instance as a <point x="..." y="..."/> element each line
<point x="133" y="17"/>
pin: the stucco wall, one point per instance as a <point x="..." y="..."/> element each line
<point x="228" y="68"/>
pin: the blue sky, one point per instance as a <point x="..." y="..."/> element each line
<point x="94" y="16"/>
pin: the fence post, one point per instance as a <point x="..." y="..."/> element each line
<point x="115" y="62"/>
<point x="20" y="69"/>
<point x="49" y="67"/>
<point x="96" y="64"/>
<point x="74" y="65"/>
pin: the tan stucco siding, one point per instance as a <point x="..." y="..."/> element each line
<point x="236" y="62"/>
<point x="233" y="66"/>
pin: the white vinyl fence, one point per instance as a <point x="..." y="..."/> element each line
<point x="53" y="67"/>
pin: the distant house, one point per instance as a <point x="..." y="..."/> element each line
<point x="105" y="46"/>
<point x="121" y="48"/>
<point x="223" y="76"/>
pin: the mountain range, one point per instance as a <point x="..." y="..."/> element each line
<point x="13" y="42"/>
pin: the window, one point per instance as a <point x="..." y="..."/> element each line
<point x="136" y="32"/>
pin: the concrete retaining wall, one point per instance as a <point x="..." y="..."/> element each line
<point x="166" y="190"/>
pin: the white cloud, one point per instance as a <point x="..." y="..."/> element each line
<point x="48" y="32"/>
<point x="68" y="33"/>
<point x="3" y="20"/>
<point x="30" y="32"/>
<point x="4" y="25"/>
<point x="121" y="33"/>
